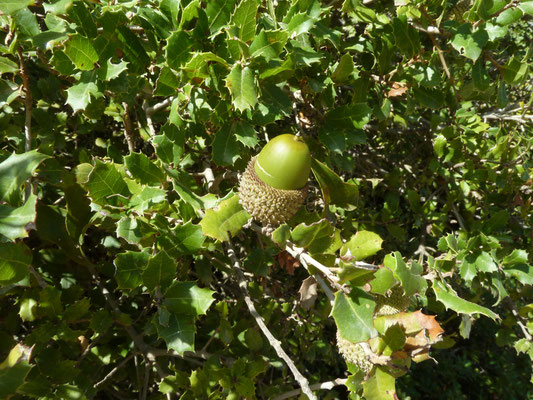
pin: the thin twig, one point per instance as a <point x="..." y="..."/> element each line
<point x="113" y="371"/>
<point x="128" y="127"/>
<point x="28" y="104"/>
<point x="37" y="277"/>
<point x="156" y="107"/>
<point x="276" y="344"/>
<point x="443" y="62"/>
<point x="316" y="386"/>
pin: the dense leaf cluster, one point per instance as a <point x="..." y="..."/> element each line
<point x="123" y="128"/>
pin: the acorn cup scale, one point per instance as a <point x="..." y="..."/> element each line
<point x="274" y="185"/>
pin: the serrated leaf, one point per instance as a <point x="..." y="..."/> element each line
<point x="411" y="282"/>
<point x="14" y="261"/>
<point x="317" y="237"/>
<point x="383" y="281"/>
<point x="106" y="185"/>
<point x="13" y="221"/>
<point x="143" y="169"/>
<point x="187" y="298"/>
<point x="133" y="230"/>
<point x="79" y="95"/>
<point x="129" y="267"/>
<point x="81" y="52"/>
<point x="110" y="71"/>
<point x="518" y="256"/>
<point x="14" y="171"/>
<point x="240" y="82"/>
<point x="167" y="82"/>
<point x="133" y="49"/>
<point x="380" y="386"/>
<point x="226" y="221"/>
<point x="177" y="49"/>
<point x="407" y="38"/>
<point x="334" y="190"/>
<point x="10" y="7"/>
<point x="218" y="14"/>
<point x="485" y="263"/>
<point x="521" y="272"/>
<point x="178" y="334"/>
<point x="244" y="19"/>
<point x="344" y="69"/>
<point x="353" y="315"/>
<point x="457" y="304"/>
<point x="269" y="44"/>
<point x="183" y="239"/>
<point x="468" y="43"/>
<point x="362" y="245"/>
<point x="159" y="271"/>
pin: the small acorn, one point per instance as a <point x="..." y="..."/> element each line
<point x="274" y="185"/>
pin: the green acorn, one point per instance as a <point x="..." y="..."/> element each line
<point x="393" y="303"/>
<point x="353" y="353"/>
<point x="274" y="185"/>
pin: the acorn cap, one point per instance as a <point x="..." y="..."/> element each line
<point x="284" y="163"/>
<point x="354" y="353"/>
<point x="265" y="203"/>
<point x="393" y="303"/>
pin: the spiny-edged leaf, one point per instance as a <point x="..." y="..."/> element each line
<point x="143" y="169"/>
<point x="106" y="184"/>
<point x="521" y="272"/>
<point x="14" y="261"/>
<point x="133" y="49"/>
<point x="78" y="211"/>
<point x="13" y="221"/>
<point x="226" y="221"/>
<point x="334" y="190"/>
<point x="81" y="52"/>
<point x="10" y="7"/>
<point x="183" y="239"/>
<point x="380" y="386"/>
<point x="197" y="66"/>
<point x="129" y="267"/>
<point x="79" y="96"/>
<point x="188" y="298"/>
<point x="362" y="245"/>
<point x="226" y="150"/>
<point x="50" y="301"/>
<point x="77" y="310"/>
<point x="350" y="273"/>
<point x="300" y="23"/>
<point x="468" y="43"/>
<point x="412" y="323"/>
<point x="14" y="171"/>
<point x="269" y="44"/>
<point x="382" y="282"/>
<point x="178" y="333"/>
<point x="457" y="304"/>
<point x="245" y="133"/>
<point x="159" y="271"/>
<point x="411" y="282"/>
<point x="110" y="71"/>
<point x="144" y="197"/>
<point x="244" y="19"/>
<point x="353" y="315"/>
<point x="167" y="82"/>
<point x="218" y="13"/>
<point x="7" y="66"/>
<point x="14" y="369"/>
<point x="133" y="230"/>
<point x="240" y="83"/>
<point x="344" y="69"/>
<point x="317" y="237"/>
<point x="407" y="38"/>
<point x="177" y="49"/>
<point x="281" y="234"/>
